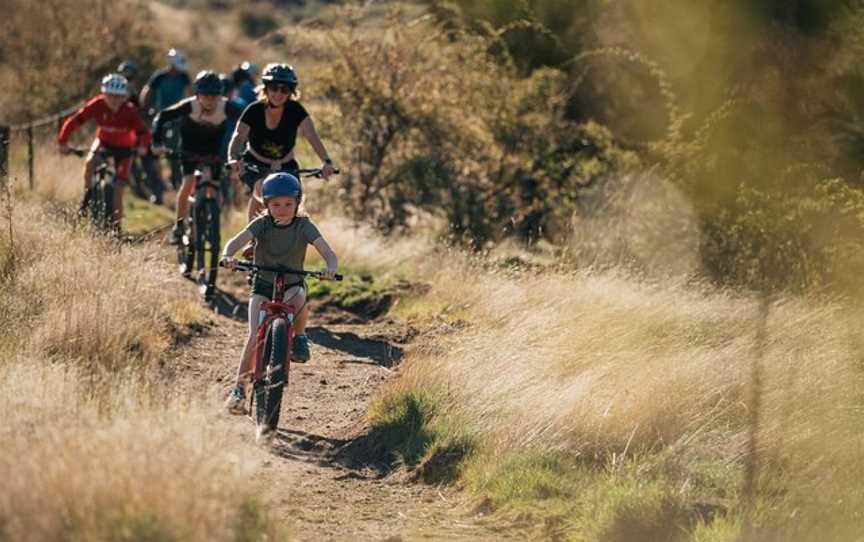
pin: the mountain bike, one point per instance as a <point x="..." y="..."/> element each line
<point x="273" y="347"/>
<point x="98" y="200"/>
<point x="200" y="242"/>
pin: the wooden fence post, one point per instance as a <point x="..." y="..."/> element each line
<point x="4" y="155"/>
<point x="30" y="157"/>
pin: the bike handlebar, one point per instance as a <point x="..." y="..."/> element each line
<point x="103" y="152"/>
<point x="311" y="172"/>
<point x="180" y="155"/>
<point x="243" y="265"/>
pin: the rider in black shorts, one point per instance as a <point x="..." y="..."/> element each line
<point x="202" y="123"/>
<point x="267" y="131"/>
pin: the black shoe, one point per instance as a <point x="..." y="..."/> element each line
<point x="301" y="349"/>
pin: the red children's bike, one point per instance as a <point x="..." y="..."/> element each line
<point x="273" y="346"/>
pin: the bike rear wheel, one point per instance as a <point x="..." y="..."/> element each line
<point x="214" y="245"/>
<point x="269" y="389"/>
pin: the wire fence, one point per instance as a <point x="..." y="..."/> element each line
<point x="27" y="131"/>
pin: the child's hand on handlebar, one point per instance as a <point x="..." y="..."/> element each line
<point x="228" y="261"/>
<point x="64" y="148"/>
<point x="328" y="274"/>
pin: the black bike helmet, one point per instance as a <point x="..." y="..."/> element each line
<point x="227" y="84"/>
<point x="128" y="69"/>
<point x="208" y="82"/>
<point x="239" y="75"/>
<point x="280" y="73"/>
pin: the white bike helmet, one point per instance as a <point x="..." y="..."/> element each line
<point x="115" y="85"/>
<point x="177" y="59"/>
<point x="251" y="69"/>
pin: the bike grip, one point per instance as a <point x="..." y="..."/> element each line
<point x="337" y="276"/>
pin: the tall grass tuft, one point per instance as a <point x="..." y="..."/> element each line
<point x="604" y="382"/>
<point x="98" y="443"/>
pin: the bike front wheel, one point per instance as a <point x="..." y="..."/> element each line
<point x="269" y="389"/>
<point x="186" y="250"/>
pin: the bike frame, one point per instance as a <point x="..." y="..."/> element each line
<point x="205" y="193"/>
<point x="104" y="178"/>
<point x="274" y="308"/>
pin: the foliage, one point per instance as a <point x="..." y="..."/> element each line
<point x="436" y="125"/>
<point x="52" y="56"/>
<point x="256" y="22"/>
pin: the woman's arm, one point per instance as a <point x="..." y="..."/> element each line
<point x="238" y="140"/>
<point x="307" y="128"/>
<point x="182" y="108"/>
<point x="329" y="256"/>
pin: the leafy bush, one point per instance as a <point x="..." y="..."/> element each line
<point x="256" y="22"/>
<point x="437" y="125"/>
<point x="52" y="56"/>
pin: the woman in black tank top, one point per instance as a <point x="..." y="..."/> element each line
<point x="267" y="131"/>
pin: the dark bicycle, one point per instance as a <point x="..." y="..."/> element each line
<point x="98" y="200"/>
<point x="200" y="240"/>
<point x="273" y="347"/>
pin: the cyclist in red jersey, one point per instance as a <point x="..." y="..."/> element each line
<point x="120" y="128"/>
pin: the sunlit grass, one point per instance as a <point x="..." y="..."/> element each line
<point x="98" y="445"/>
<point x="640" y="395"/>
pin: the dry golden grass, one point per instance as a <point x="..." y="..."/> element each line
<point x="603" y="367"/>
<point x="97" y="445"/>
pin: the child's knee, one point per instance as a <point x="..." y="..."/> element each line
<point x="295" y="295"/>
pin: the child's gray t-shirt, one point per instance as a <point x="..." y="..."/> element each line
<point x="282" y="245"/>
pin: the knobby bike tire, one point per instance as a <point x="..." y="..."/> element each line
<point x="101" y="205"/>
<point x="200" y="213"/>
<point x="107" y="206"/>
<point x="213" y="240"/>
<point x="185" y="249"/>
<point x="269" y="390"/>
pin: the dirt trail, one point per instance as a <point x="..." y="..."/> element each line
<point x="316" y="476"/>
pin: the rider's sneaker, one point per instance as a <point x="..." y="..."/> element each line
<point x="264" y="434"/>
<point x="235" y="404"/>
<point x="176" y="234"/>
<point x="301" y="349"/>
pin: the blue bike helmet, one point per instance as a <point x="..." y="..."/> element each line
<point x="281" y="184"/>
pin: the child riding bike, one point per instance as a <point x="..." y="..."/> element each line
<point x="120" y="128"/>
<point x="267" y="131"/>
<point x="202" y="120"/>
<point x="282" y="237"/>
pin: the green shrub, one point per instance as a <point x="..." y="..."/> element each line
<point x="256" y="22"/>
<point x="438" y="125"/>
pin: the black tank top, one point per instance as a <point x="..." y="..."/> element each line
<point x="273" y="144"/>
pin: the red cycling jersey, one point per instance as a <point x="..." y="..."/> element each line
<point x="125" y="128"/>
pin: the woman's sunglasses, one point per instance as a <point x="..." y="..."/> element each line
<point x="284" y="89"/>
